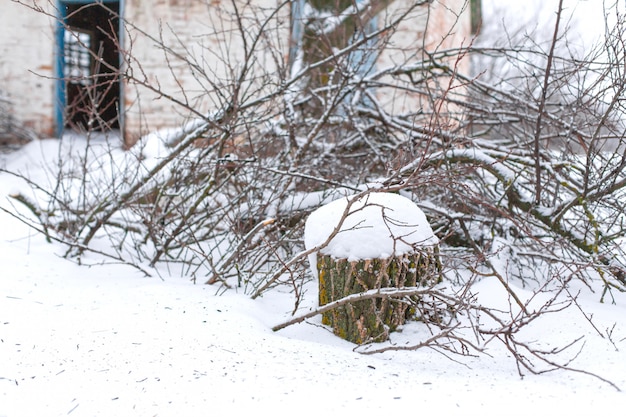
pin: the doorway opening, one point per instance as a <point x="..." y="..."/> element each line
<point x="89" y="65"/>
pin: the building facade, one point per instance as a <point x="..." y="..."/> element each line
<point x="140" y="66"/>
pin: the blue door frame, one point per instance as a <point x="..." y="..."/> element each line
<point x="60" y="90"/>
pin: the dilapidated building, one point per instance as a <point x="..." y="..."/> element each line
<point x="138" y="66"/>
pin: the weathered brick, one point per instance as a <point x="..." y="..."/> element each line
<point x="206" y="34"/>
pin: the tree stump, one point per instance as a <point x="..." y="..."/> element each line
<point x="366" y="242"/>
<point x="372" y="320"/>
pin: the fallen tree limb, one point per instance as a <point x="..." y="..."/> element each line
<point x="366" y="295"/>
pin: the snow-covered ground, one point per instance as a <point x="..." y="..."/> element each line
<point x="105" y="340"/>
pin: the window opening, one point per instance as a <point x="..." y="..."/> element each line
<point x="77" y="57"/>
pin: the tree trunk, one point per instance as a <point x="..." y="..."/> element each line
<point x="372" y="320"/>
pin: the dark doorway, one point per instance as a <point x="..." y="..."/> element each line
<point x="91" y="65"/>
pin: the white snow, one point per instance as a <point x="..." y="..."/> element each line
<point x="376" y="225"/>
<point x="106" y="341"/>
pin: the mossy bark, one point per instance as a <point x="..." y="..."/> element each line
<point x="372" y="320"/>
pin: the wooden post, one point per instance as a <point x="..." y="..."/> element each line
<point x="372" y="320"/>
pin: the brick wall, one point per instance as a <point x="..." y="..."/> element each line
<point x="194" y="29"/>
<point x="209" y="38"/>
<point x="428" y="29"/>
<point x="27" y="65"/>
<point x="189" y="28"/>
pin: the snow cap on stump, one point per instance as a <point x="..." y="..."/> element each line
<point x="378" y="225"/>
